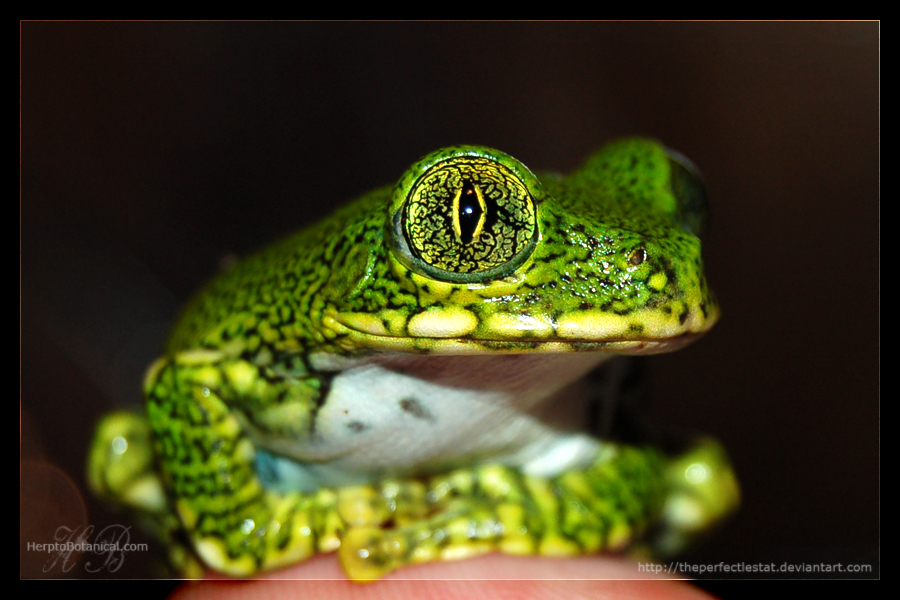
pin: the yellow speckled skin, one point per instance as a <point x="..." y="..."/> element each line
<point x="469" y="254"/>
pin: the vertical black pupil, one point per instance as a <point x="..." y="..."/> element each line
<point x="469" y="212"/>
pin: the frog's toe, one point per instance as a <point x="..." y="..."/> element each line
<point x="371" y="552"/>
<point x="704" y="492"/>
<point x="365" y="554"/>
<point x="459" y="530"/>
<point x="391" y="502"/>
<point x="121" y="464"/>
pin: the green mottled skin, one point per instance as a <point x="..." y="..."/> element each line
<point x="614" y="267"/>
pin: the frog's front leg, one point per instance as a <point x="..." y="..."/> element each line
<point x="207" y="462"/>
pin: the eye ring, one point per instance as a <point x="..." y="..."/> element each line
<point x="465" y="214"/>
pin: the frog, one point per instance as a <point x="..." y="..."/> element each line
<point x="414" y="378"/>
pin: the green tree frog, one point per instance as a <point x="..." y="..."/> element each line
<point x="406" y="381"/>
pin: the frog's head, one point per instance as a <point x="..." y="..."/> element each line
<point x="477" y="254"/>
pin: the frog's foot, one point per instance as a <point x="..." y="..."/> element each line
<point x="121" y="470"/>
<point x="703" y="492"/>
<point x="496" y="508"/>
<point x="120" y="465"/>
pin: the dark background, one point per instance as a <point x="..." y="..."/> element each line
<point x="153" y="152"/>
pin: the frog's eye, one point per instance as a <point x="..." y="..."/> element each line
<point x="690" y="192"/>
<point x="465" y="214"/>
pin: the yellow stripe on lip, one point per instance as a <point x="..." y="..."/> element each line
<point x="452" y="322"/>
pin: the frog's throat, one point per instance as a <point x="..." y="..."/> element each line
<point x="456" y="330"/>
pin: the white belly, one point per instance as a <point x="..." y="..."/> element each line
<point x="405" y="415"/>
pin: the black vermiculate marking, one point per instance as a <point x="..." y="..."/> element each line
<point x="324" y="390"/>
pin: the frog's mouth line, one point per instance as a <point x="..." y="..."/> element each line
<point x="456" y="330"/>
<point x="453" y="346"/>
<point x="355" y="337"/>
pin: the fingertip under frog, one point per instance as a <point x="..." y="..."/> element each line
<point x="406" y="381"/>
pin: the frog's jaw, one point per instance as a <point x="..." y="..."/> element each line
<point x="456" y="330"/>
